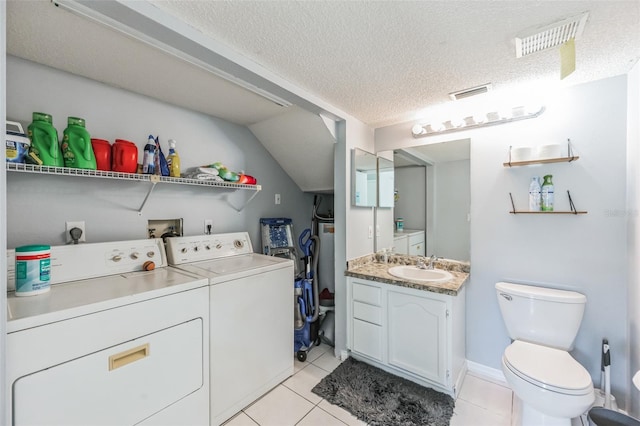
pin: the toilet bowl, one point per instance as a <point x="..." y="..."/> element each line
<point x="553" y="387"/>
<point x="550" y="386"/>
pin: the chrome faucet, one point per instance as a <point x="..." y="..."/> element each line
<point x="432" y="259"/>
<point x="420" y="263"/>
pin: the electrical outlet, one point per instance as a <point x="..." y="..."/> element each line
<point x="370" y="231"/>
<point x="78" y="224"/>
<point x="208" y="226"/>
<point x="277" y="198"/>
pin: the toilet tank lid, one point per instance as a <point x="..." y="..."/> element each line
<point x="541" y="293"/>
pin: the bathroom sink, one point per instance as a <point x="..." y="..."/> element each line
<point x="412" y="272"/>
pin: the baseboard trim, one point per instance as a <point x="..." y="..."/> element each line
<point x="487" y="373"/>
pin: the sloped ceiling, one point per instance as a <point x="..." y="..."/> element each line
<point x="304" y="149"/>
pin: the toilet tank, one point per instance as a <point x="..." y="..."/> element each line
<point x="541" y="315"/>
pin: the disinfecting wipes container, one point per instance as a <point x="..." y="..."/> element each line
<point x="33" y="269"/>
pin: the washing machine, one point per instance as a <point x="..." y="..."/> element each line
<point x="250" y="312"/>
<point x="110" y="343"/>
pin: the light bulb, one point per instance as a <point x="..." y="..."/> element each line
<point x="417" y="129"/>
<point x="437" y="126"/>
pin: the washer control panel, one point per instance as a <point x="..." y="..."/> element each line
<point x="82" y="261"/>
<point x="207" y="247"/>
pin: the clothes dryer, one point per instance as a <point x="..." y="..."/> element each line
<point x="251" y="316"/>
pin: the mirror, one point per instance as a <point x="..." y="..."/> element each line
<point x="433" y="183"/>
<point x="364" y="183"/>
<point x="385" y="182"/>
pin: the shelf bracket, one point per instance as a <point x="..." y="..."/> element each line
<point x="239" y="210"/>
<point x="513" y="206"/>
<point x="154" y="179"/>
<point x="571" y="205"/>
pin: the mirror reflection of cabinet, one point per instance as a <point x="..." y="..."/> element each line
<point x="364" y="182"/>
<point x="385" y="182"/>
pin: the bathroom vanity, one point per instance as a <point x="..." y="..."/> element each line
<point x="414" y="329"/>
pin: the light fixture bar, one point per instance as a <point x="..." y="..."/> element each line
<point x="421" y="130"/>
<point x="169" y="41"/>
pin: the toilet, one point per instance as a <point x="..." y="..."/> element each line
<point x="551" y="386"/>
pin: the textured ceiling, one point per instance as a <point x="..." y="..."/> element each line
<point x="381" y="61"/>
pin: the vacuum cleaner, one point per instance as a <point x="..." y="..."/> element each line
<point x="307" y="306"/>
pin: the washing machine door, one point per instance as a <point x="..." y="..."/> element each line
<point x="548" y="368"/>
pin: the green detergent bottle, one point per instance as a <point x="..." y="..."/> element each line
<point x="76" y="145"/>
<point x="45" y="147"/>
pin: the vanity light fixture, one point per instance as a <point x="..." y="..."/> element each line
<point x="501" y="116"/>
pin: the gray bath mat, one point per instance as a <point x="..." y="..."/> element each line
<point x="382" y="399"/>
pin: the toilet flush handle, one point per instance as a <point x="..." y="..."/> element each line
<point x="506" y="296"/>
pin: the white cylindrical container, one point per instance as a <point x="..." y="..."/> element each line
<point x="33" y="270"/>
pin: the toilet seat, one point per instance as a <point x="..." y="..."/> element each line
<point x="548" y="368"/>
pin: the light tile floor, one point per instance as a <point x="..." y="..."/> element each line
<point x="480" y="402"/>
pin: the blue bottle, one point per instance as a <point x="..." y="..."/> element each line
<point x="148" y="161"/>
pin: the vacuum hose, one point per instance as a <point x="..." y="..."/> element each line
<point x="316" y="295"/>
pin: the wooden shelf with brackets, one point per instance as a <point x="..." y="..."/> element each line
<point x="571" y="206"/>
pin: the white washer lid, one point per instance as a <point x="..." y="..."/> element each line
<point x="549" y="368"/>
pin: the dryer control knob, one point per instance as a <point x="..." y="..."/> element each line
<point x="196" y="248"/>
<point x="151" y="253"/>
<point x="135" y="255"/>
<point x="184" y="250"/>
<point x="116" y="258"/>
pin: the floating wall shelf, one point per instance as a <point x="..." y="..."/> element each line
<point x="545" y="161"/>
<point x="152" y="179"/>
<point x="571" y="205"/>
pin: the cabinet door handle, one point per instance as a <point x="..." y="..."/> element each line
<point x="128" y="356"/>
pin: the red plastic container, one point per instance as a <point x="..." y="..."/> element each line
<point x="102" y="151"/>
<point x="124" y="156"/>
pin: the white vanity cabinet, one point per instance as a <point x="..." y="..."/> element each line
<point x="415" y="334"/>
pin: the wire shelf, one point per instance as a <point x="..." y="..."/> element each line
<point x="66" y="171"/>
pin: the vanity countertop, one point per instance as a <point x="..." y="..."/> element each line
<point x="371" y="268"/>
<point x="397" y="234"/>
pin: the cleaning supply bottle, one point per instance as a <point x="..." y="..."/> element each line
<point x="148" y="160"/>
<point x="546" y="202"/>
<point x="77" y="150"/>
<point x="534" y="194"/>
<point x="162" y="166"/>
<point x="173" y="160"/>
<point x="44" y="149"/>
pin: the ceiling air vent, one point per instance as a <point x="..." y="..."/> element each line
<point x="455" y="96"/>
<point x="552" y="35"/>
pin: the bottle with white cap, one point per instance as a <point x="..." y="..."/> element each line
<point x="534" y="194"/>
<point x="173" y="160"/>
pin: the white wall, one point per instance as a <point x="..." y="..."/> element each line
<point x="351" y="222"/>
<point x="633" y="210"/>
<point x="585" y="253"/>
<point x="40" y="205"/>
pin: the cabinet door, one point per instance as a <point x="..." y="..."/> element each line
<point x="417" y="335"/>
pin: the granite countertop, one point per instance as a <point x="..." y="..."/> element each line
<point x="372" y="268"/>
